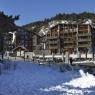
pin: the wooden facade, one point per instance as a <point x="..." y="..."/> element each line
<point x="28" y="39"/>
<point x="70" y="37"/>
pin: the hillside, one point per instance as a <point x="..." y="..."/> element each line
<point x="79" y="17"/>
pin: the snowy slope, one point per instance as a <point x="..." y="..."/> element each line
<point x="34" y="79"/>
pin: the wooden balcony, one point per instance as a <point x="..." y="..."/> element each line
<point x="84" y="45"/>
<point x="53" y="47"/>
<point x="69" y="46"/>
<point x="53" y="42"/>
<point x="53" y="37"/>
<point x="84" y="40"/>
<point x="69" y="41"/>
<point x="84" y="34"/>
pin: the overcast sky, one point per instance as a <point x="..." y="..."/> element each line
<point x="33" y="10"/>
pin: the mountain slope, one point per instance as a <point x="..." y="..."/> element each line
<point x="78" y="17"/>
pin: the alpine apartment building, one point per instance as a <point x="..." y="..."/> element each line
<point x="70" y="37"/>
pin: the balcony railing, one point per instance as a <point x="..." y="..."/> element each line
<point x="84" y="40"/>
<point x="83" y="45"/>
<point x="69" y="41"/>
<point x="52" y="37"/>
<point x="53" y="42"/>
<point x="53" y="47"/>
<point x="84" y="34"/>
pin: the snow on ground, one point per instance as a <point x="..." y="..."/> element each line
<point x="34" y="79"/>
<point x="78" y="86"/>
<point x="86" y="81"/>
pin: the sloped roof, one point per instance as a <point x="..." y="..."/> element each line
<point x="20" y="48"/>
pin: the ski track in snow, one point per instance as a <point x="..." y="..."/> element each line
<point x="34" y="79"/>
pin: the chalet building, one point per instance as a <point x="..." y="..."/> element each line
<point x="55" y="39"/>
<point x="28" y="39"/>
<point x="70" y="37"/>
<point x="23" y="38"/>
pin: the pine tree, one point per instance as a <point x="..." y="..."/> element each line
<point x="7" y="23"/>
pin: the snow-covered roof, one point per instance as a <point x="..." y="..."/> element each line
<point x="43" y="30"/>
<point x="54" y="23"/>
<point x="64" y="22"/>
<point x="89" y="21"/>
<point x="20" y="47"/>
